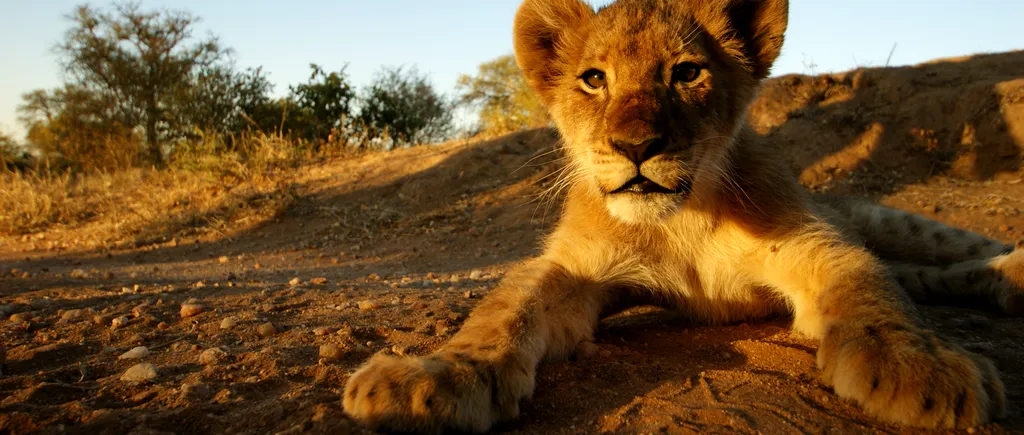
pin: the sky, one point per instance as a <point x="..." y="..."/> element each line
<point x="446" y="38"/>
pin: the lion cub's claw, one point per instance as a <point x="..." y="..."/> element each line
<point x="911" y="377"/>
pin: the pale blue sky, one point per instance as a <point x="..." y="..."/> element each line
<point x="448" y="37"/>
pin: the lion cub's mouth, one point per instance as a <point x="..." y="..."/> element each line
<point x="642" y="185"/>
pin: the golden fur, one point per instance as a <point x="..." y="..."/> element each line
<point x="675" y="201"/>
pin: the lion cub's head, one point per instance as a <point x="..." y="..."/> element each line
<point x="648" y="94"/>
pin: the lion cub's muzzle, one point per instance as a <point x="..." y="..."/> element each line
<point x="655" y="173"/>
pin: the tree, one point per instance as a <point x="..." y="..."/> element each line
<point x="404" y="102"/>
<point x="222" y="101"/>
<point x="137" y="62"/>
<point x="320" y="103"/>
<point x="78" y="126"/>
<point x="504" y="100"/>
<point x="9" y="150"/>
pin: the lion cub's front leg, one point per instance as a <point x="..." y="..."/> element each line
<point x="873" y="347"/>
<point x="479" y="377"/>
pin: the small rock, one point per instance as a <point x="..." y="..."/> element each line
<point x="140" y="310"/>
<point x="932" y="208"/>
<point x="1005" y="228"/>
<point x="605" y="353"/>
<point x="38" y="304"/>
<point x="8" y="309"/>
<point x="331" y="352"/>
<point x="476" y="274"/>
<point x="212" y="356"/>
<point x="318" y="281"/>
<point x="136" y="353"/>
<point x="469" y="294"/>
<point x="79" y="274"/>
<point x="24" y="317"/>
<point x="369" y="305"/>
<point x="191" y="310"/>
<point x="163" y="326"/>
<point x="119" y="322"/>
<point x="400" y="350"/>
<point x="267" y="329"/>
<point x="195" y="391"/>
<point x="223" y="259"/>
<point x="420" y="306"/>
<point x="324" y="330"/>
<point x="294" y="282"/>
<point x="71" y="316"/>
<point x="101" y="319"/>
<point x="143" y="372"/>
<point x="228" y="323"/>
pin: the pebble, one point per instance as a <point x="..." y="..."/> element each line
<point x="267" y="329"/>
<point x="420" y="306"/>
<point x="476" y="274"/>
<point x="119" y="322"/>
<point x="191" y="310"/>
<point x="932" y="208"/>
<point x="140" y="310"/>
<point x="318" y="281"/>
<point x="294" y="282"/>
<point x="228" y="323"/>
<point x="368" y="305"/>
<point x="212" y="356"/>
<point x="195" y="391"/>
<point x="143" y="372"/>
<point x="223" y="259"/>
<point x="101" y="319"/>
<point x="324" y="330"/>
<point x="24" y="317"/>
<point x="1005" y="228"/>
<point x="468" y="294"/>
<point x="38" y="304"/>
<point x="331" y="352"/>
<point x="74" y="315"/>
<point x="136" y="353"/>
<point x="8" y="309"/>
<point x="400" y="350"/>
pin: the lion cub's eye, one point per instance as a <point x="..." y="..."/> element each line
<point x="594" y="79"/>
<point x="686" y="72"/>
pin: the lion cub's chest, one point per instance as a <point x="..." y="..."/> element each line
<point x="710" y="284"/>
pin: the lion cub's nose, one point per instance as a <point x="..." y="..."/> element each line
<point x="639" y="151"/>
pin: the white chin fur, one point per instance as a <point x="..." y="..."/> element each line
<point x="636" y="209"/>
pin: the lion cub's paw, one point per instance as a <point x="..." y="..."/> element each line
<point x="911" y="376"/>
<point x="427" y="394"/>
<point x="1010" y="279"/>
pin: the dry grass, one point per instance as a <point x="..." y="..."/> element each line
<point x="205" y="190"/>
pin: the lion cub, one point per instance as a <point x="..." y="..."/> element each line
<point x="675" y="199"/>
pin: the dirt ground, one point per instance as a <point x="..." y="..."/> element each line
<point x="255" y="331"/>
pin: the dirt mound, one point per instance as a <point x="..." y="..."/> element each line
<point x="388" y="252"/>
<point x="891" y="126"/>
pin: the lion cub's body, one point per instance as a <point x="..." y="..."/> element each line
<point x="675" y="201"/>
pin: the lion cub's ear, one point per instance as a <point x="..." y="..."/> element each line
<point x="759" y="27"/>
<point x="544" y="30"/>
